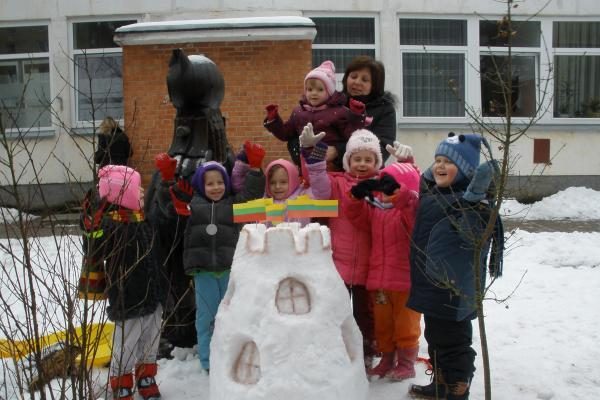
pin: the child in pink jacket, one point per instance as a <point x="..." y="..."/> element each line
<point x="389" y="218"/>
<point x="351" y="247"/>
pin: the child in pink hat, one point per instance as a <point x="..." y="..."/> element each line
<point x="323" y="107"/>
<point x="119" y="264"/>
<point x="386" y="209"/>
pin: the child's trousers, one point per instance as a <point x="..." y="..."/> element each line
<point x="210" y="290"/>
<point x="363" y="314"/>
<point x="396" y="326"/>
<point x="449" y="346"/>
<point x="135" y="341"/>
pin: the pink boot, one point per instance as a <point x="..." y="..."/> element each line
<point x="405" y="364"/>
<point x="385" y="364"/>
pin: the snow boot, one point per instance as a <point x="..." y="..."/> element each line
<point x="146" y="383"/>
<point x="385" y="364"/>
<point x="122" y="387"/>
<point x="405" y="364"/>
<point x="436" y="390"/>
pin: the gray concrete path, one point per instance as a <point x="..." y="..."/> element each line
<point x="553" y="225"/>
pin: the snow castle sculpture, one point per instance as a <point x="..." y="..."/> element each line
<point x="285" y="328"/>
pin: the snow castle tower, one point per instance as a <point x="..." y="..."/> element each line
<point x="285" y="328"/>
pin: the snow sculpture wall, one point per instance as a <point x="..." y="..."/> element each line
<point x="285" y="328"/>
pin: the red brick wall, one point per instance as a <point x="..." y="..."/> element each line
<point x="256" y="74"/>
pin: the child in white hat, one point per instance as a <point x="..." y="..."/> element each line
<point x="351" y="246"/>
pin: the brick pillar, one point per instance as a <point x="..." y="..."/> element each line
<point x="256" y="73"/>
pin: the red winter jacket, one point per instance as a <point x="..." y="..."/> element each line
<point x="350" y="246"/>
<point x="390" y="230"/>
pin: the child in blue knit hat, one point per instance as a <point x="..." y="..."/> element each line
<point x="453" y="214"/>
<point x="211" y="235"/>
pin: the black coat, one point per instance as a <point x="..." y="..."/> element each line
<point x="442" y="252"/>
<point x="130" y="264"/>
<point x="214" y="253"/>
<point x="383" y="111"/>
<point x="113" y="149"/>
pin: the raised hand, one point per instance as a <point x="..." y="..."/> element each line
<point x="166" y="165"/>
<point x="401" y="152"/>
<point x="272" y="111"/>
<point x="365" y="189"/>
<point x="255" y="154"/>
<point x="181" y="195"/>
<point x="308" y="137"/>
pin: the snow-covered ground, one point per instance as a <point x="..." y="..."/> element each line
<point x="542" y="316"/>
<point x="575" y="203"/>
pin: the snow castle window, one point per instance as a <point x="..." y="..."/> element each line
<point x="247" y="366"/>
<point x="292" y="297"/>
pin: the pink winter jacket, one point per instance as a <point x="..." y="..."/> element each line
<point x="350" y="246"/>
<point x="390" y="230"/>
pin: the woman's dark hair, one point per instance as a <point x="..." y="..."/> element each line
<point x="377" y="73"/>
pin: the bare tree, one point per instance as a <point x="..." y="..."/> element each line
<point x="51" y="331"/>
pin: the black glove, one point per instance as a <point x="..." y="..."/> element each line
<point x="364" y="189"/>
<point x="388" y="184"/>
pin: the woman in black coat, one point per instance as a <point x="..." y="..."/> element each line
<point x="113" y="145"/>
<point x="364" y="80"/>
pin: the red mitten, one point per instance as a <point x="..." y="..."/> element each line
<point x="181" y="195"/>
<point x="166" y="165"/>
<point x="255" y="153"/>
<point x="272" y="111"/>
<point x="357" y="107"/>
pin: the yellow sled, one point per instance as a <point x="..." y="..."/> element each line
<point x="97" y="352"/>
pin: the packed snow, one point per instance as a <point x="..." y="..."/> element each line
<point x="574" y="203"/>
<point x="542" y="315"/>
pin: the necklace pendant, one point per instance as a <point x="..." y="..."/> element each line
<point x="211" y="229"/>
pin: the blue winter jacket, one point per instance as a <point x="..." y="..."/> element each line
<point x="442" y="253"/>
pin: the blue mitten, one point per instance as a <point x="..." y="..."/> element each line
<point x="476" y="191"/>
<point x="314" y="154"/>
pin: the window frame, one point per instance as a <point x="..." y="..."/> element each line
<point x="544" y="55"/>
<point x="376" y="34"/>
<point x="18" y="59"/>
<point x="568" y="51"/>
<point x="83" y="126"/>
<point x="466" y="50"/>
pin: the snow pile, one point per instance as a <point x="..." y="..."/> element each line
<point x="285" y="328"/>
<point x="576" y="203"/>
<point x="11" y="216"/>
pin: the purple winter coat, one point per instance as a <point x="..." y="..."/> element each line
<point x="332" y="117"/>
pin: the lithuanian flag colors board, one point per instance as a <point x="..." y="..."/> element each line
<point x="250" y="211"/>
<point x="305" y="207"/>
<point x="261" y="210"/>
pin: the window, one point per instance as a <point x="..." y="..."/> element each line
<point x="576" y="69"/>
<point x="24" y="77"/>
<point x="433" y="67"/>
<point x="497" y="69"/>
<point x="494" y="73"/>
<point x="98" y="70"/>
<point x="340" y="39"/>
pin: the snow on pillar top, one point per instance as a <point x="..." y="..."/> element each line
<point x="217" y="30"/>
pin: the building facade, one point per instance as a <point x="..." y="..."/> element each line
<point x="61" y="72"/>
